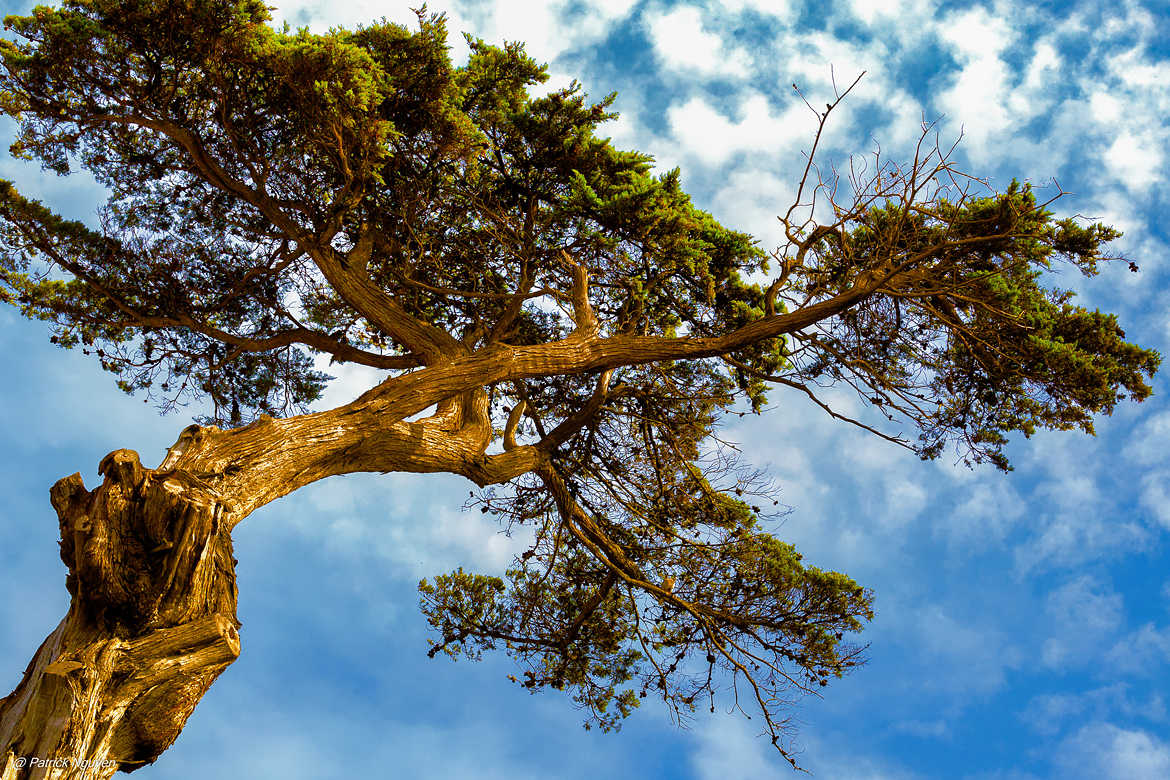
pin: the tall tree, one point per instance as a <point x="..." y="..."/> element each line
<point x="554" y="322"/>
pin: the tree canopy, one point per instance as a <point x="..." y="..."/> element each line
<point x="574" y="325"/>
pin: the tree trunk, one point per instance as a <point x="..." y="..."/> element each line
<point x="151" y="624"/>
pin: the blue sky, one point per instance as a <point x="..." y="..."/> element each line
<point x="1023" y="621"/>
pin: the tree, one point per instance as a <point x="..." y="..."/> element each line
<point x="555" y="323"/>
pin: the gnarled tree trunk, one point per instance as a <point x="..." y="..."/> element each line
<point x="152" y="621"/>
<point x="151" y="624"/>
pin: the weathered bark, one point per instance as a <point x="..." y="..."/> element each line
<point x="151" y="624"/>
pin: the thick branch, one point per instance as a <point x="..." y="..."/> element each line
<point x="271" y="458"/>
<point x="355" y="288"/>
<point x="583" y="315"/>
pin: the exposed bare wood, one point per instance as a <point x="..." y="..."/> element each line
<point x="151" y="624"/>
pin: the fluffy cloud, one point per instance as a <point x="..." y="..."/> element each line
<point x="319" y="15"/>
<point x="987" y="511"/>
<point x="684" y="44"/>
<point x="729" y="748"/>
<point x="965" y="654"/>
<point x="1085" y="613"/>
<point x="1136" y="158"/>
<point x="1147" y="442"/>
<point x="1155" y="496"/>
<point x="755" y="197"/>
<point x="547" y="29"/>
<point x="409" y="522"/>
<point x="708" y="136"/>
<point x="977" y="94"/>
<point x="1076" y="516"/>
<point x="1078" y="97"/>
<point x="1049" y="714"/>
<point x="869" y="11"/>
<point x="1144" y="652"/>
<point x="778" y="8"/>
<point x="1106" y="752"/>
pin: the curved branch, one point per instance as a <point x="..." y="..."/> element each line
<point x="513" y="421"/>
<point x="583" y="314"/>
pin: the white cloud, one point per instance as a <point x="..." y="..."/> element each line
<point x="1128" y="17"/>
<point x="610" y="11"/>
<point x="1105" y="108"/>
<point x="1074" y="537"/>
<point x="958" y="647"/>
<point x="539" y="26"/>
<point x="730" y="749"/>
<point x="320" y="15"/>
<point x="838" y="758"/>
<point x="1085" y="613"/>
<point x="1135" y="98"/>
<point x="836" y="479"/>
<point x="751" y="196"/>
<point x="1074" y="520"/>
<point x="976" y="33"/>
<point x="412" y="521"/>
<point x="1035" y="93"/>
<point x="711" y="138"/>
<point x="547" y="29"/>
<point x="1135" y="69"/>
<point x="816" y="60"/>
<point x="870" y="10"/>
<point x="628" y="131"/>
<point x="992" y="100"/>
<point x="727" y="749"/>
<point x="1144" y="652"/>
<point x="682" y="43"/>
<point x="904" y="501"/>
<point x="1046" y="61"/>
<point x="978" y="94"/>
<point x="1106" y="752"/>
<point x="964" y="656"/>
<point x="599" y="18"/>
<point x="350" y="381"/>
<point x="1071" y="491"/>
<point x="824" y="65"/>
<point x="1050" y="714"/>
<point x="1155" y="496"/>
<point x="926" y="729"/>
<point x="985" y="515"/>
<point x="1047" y="713"/>
<point x="898" y="25"/>
<point x="777" y="8"/>
<point x="1002" y="774"/>
<point x="1136" y="159"/>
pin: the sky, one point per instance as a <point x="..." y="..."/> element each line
<point x="1022" y="623"/>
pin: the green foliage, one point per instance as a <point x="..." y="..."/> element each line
<point x="972" y="346"/>
<point x="572" y="623"/>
